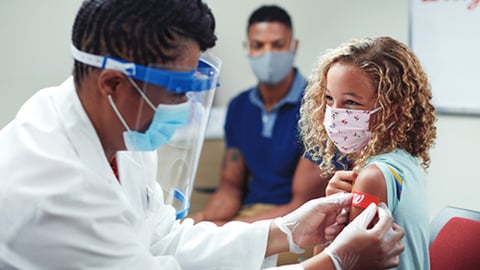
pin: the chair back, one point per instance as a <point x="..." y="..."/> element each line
<point x="455" y="240"/>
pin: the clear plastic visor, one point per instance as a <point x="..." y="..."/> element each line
<point x="178" y="157"/>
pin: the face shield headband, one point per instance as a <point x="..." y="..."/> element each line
<point x="175" y="81"/>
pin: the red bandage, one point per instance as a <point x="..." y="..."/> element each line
<point x="363" y="200"/>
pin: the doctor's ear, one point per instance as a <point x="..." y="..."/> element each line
<point x="110" y="81"/>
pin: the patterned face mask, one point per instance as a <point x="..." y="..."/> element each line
<point x="348" y="129"/>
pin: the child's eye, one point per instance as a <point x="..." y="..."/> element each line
<point x="351" y="102"/>
<point x="328" y="99"/>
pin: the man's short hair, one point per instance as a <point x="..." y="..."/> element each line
<point x="270" y="13"/>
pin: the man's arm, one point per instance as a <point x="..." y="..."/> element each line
<point x="227" y="200"/>
<point x="307" y="184"/>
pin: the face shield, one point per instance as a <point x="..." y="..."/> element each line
<point x="172" y="117"/>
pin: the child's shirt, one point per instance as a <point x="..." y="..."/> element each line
<point x="407" y="200"/>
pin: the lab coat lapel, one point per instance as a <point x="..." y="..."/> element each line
<point x="132" y="177"/>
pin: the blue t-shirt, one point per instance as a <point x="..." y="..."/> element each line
<point x="407" y="200"/>
<point x="269" y="142"/>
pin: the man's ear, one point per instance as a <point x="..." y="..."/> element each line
<point x="110" y="81"/>
<point x="296" y="46"/>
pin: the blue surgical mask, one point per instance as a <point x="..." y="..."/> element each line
<point x="166" y="119"/>
<point x="272" y="67"/>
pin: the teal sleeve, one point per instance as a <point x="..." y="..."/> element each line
<point x="394" y="186"/>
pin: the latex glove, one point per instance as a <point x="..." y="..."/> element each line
<point x="361" y="248"/>
<point x="308" y="225"/>
<point x="341" y="181"/>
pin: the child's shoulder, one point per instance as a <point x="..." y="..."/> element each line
<point x="392" y="157"/>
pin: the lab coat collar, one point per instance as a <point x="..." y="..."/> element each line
<point x="80" y="130"/>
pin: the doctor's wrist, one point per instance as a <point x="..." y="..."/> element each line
<point x="320" y="261"/>
<point x="292" y="246"/>
<point x="277" y="240"/>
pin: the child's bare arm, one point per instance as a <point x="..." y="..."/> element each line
<point x="369" y="181"/>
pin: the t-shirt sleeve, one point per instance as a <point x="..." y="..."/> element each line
<point x="230" y="140"/>
<point x="393" y="183"/>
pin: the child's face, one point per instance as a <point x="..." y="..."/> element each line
<point x="349" y="88"/>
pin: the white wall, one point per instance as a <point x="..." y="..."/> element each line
<point x="453" y="177"/>
<point x="34" y="49"/>
<point x="35" y="53"/>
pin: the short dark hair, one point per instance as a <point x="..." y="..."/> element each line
<point x="140" y="31"/>
<point x="269" y="13"/>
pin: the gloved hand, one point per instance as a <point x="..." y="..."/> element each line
<point x="315" y="221"/>
<point x="361" y="248"/>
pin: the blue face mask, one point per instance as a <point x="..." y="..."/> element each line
<point x="272" y="67"/>
<point x="166" y="119"/>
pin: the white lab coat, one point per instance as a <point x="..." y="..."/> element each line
<point x="61" y="206"/>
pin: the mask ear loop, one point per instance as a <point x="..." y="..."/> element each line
<point x="378" y="109"/>
<point x="375" y="110"/>
<point x="142" y="93"/>
<point x="144" y="97"/>
<point x="117" y="112"/>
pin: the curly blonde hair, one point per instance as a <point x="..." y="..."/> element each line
<point x="406" y="119"/>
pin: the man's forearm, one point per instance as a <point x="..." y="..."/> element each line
<point x="222" y="206"/>
<point x="276" y="211"/>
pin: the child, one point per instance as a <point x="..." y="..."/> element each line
<point x="370" y="99"/>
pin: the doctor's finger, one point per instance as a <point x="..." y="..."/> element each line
<point x="395" y="235"/>
<point x="337" y="201"/>
<point x="385" y="222"/>
<point x="366" y="217"/>
<point x="394" y="246"/>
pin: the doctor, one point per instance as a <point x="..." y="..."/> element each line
<point x="72" y="198"/>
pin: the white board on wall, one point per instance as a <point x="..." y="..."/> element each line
<point x="445" y="35"/>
